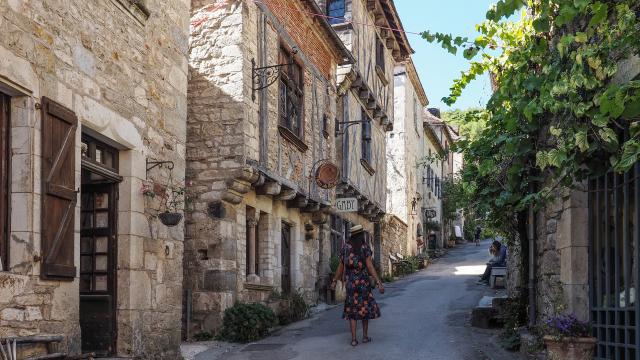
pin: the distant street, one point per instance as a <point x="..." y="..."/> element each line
<point x="424" y="316"/>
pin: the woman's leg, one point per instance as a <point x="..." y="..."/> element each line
<point x="354" y="326"/>
<point x="365" y="329"/>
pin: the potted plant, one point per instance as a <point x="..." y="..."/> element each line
<point x="172" y="199"/>
<point x="568" y="338"/>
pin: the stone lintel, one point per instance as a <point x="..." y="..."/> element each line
<point x="287" y="194"/>
<point x="270" y="187"/>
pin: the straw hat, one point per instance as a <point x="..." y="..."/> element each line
<point x="356" y="229"/>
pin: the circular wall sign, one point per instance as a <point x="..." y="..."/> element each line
<point x="327" y="175"/>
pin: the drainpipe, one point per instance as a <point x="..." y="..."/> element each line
<point x="532" y="261"/>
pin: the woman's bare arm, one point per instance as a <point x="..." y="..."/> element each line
<point x="337" y="276"/>
<point x="372" y="272"/>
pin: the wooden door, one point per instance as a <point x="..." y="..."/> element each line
<point x="285" y="258"/>
<point x="97" y="267"/>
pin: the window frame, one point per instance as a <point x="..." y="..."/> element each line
<point x="291" y="88"/>
<point x="5" y="177"/>
<point x="366" y="143"/>
<point x="336" y="18"/>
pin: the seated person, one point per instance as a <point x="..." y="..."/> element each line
<point x="499" y="259"/>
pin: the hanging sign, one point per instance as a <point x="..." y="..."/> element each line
<point x="346" y="205"/>
<point x="327" y="175"/>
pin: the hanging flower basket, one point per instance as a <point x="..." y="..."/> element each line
<point x="170" y="218"/>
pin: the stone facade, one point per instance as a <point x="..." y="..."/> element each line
<point x="122" y="69"/>
<point x="432" y="169"/>
<point x="404" y="175"/>
<point x="366" y="92"/>
<point x="250" y="178"/>
<point x="394" y="232"/>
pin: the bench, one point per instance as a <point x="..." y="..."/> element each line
<point x="497" y="272"/>
<point x="37" y="347"/>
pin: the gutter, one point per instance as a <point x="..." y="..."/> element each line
<point x="532" y="262"/>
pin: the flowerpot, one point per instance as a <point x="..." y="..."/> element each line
<point x="169" y="218"/>
<point x="579" y="348"/>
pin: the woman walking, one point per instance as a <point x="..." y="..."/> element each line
<point x="356" y="264"/>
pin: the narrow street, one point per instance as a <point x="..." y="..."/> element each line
<point x="424" y="316"/>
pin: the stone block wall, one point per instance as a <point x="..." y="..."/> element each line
<point x="124" y="75"/>
<point x="562" y="257"/>
<point x="394" y="235"/>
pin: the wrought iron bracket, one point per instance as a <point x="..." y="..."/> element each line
<point x="265" y="76"/>
<point x="342" y="126"/>
<point x="153" y="164"/>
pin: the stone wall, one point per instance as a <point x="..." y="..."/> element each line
<point x="241" y="168"/>
<point x="124" y="75"/>
<point x="562" y="257"/>
<point x="394" y="235"/>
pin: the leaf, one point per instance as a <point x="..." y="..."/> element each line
<point x="581" y="140"/>
<point x="566" y="15"/>
<point x="600" y="12"/>
<point x="555" y="131"/>
<point x="556" y="157"/>
<point x="541" y="24"/>
<point x="632" y="110"/>
<point x="630" y="152"/>
<point x="608" y="136"/>
<point x="581" y="37"/>
<point x="581" y="4"/>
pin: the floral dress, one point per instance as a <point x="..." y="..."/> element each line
<point x="359" y="304"/>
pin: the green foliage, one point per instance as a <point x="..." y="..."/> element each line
<point x="247" y="322"/>
<point x="334" y="262"/>
<point x="556" y="114"/>
<point x="293" y="308"/>
<point x="387" y="278"/>
<point x="414" y="264"/>
<point x="203" y="336"/>
<point x="515" y="316"/>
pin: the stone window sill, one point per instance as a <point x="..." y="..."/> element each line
<point x="292" y="138"/>
<point x="258" y="287"/>
<point x="381" y="75"/>
<point x="367" y="166"/>
<point x="135" y="9"/>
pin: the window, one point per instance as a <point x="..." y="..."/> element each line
<point x="5" y="175"/>
<point x="379" y="53"/>
<point x="99" y="152"/>
<point x="291" y="99"/>
<point x="416" y="113"/>
<point x="336" y="10"/>
<point x="366" y="158"/>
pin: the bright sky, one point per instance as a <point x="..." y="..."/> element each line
<point x="436" y="67"/>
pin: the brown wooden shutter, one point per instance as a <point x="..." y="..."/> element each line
<point x="58" y="190"/>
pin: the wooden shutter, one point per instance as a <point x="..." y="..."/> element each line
<point x="58" y="190"/>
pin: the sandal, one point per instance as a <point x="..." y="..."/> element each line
<point x="366" y="339"/>
<point x="354" y="343"/>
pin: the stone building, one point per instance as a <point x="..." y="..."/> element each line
<point x="90" y="92"/>
<point x="432" y="173"/>
<point x="262" y="99"/>
<point x="404" y="176"/>
<point x="365" y="109"/>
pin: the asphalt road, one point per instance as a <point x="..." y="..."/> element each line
<point x="424" y="316"/>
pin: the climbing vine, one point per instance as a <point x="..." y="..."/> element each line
<point x="558" y="114"/>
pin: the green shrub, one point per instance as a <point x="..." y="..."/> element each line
<point x="292" y="308"/>
<point x="247" y="322"/>
<point x="334" y="262"/>
<point x="203" y="336"/>
<point x="387" y="278"/>
<point x="414" y="264"/>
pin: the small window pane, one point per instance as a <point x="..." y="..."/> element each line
<point x="102" y="244"/>
<point x="86" y="220"/>
<point x="102" y="219"/>
<point x="102" y="201"/>
<point x="107" y="159"/>
<point x="85" y="282"/>
<point x="85" y="245"/>
<point x="101" y="283"/>
<point x="86" y="201"/>
<point x="101" y="263"/>
<point x="99" y="155"/>
<point x="85" y="264"/>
